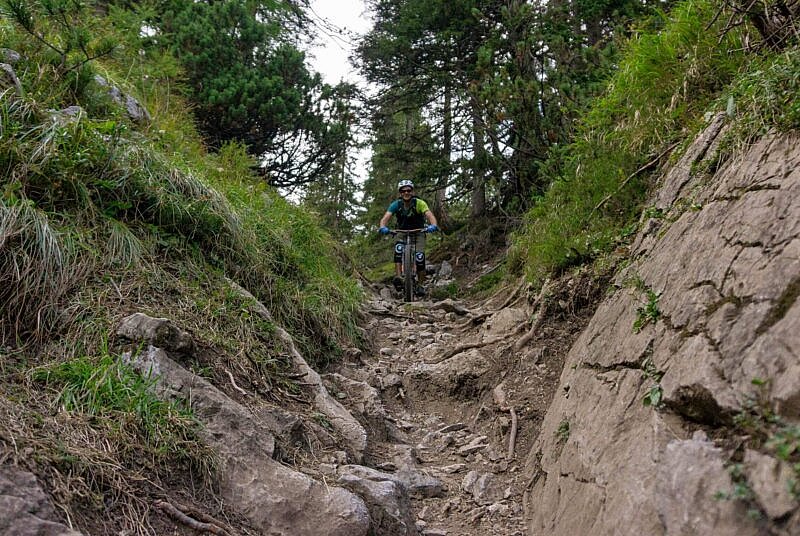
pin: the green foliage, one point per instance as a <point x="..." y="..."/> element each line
<point x="250" y="84"/>
<point x="105" y="387"/>
<point x="762" y="98"/>
<point x="63" y="30"/>
<point x="668" y="76"/>
<point x="647" y="313"/>
<point x="653" y="397"/>
<point x="766" y="431"/>
<point x="451" y="291"/>
<point x="93" y="191"/>
<point x="562" y="432"/>
<point x="489" y="281"/>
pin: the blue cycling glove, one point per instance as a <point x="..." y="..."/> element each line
<point x="431" y="229"/>
<point x="383" y="230"/>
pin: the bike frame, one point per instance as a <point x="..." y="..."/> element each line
<point x="408" y="265"/>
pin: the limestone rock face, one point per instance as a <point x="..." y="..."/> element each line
<point x="723" y="270"/>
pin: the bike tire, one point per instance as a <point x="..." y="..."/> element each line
<point x="408" y="272"/>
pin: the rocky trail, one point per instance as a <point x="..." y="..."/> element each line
<point x="426" y="433"/>
<point x="452" y="396"/>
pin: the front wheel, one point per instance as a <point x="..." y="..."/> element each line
<point x="408" y="272"/>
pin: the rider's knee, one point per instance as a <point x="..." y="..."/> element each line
<point x="398" y="252"/>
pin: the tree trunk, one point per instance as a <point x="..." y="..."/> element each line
<point x="478" y="163"/>
<point x="439" y="198"/>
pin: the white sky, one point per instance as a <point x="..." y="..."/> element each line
<point x="339" y="23"/>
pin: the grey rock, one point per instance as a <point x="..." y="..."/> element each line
<point x="271" y="496"/>
<point x="445" y="270"/>
<point x="466" y="450"/>
<point x="726" y="273"/>
<point x="453" y="468"/>
<point x="391" y="380"/>
<point x="771" y="481"/>
<point x="9" y="79"/>
<point x="504" y="322"/>
<point x="485" y="488"/>
<point x="455" y="427"/>
<point x="26" y="509"/>
<point x="461" y="375"/>
<point x="691" y="476"/>
<point x="417" y="483"/>
<point x="136" y="112"/>
<point x="451" y="306"/>
<point x="362" y="400"/>
<point x="10" y="56"/>
<point x="158" y="332"/>
<point x="73" y="112"/>
<point x="386" y="294"/>
<point x="387" y="501"/>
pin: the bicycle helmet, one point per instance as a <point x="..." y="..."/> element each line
<point x="405" y="183"/>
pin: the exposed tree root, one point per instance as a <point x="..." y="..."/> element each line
<point x="543" y="304"/>
<point x="514" y="296"/>
<point x="512" y="437"/>
<point x="187" y="516"/>
<point x="233" y="383"/>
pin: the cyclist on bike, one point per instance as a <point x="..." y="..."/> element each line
<point x="411" y="212"/>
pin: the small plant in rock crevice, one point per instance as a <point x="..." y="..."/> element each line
<point x="648" y="313"/>
<point x="562" y="432"/>
<point x="765" y="431"/>
<point x="654" y="396"/>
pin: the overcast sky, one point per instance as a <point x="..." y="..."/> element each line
<point x="339" y="22"/>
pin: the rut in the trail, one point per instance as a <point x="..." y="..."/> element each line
<point x="452" y="398"/>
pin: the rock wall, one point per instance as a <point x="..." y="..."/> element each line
<point x="703" y="325"/>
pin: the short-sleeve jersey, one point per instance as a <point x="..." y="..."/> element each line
<point x="412" y="217"/>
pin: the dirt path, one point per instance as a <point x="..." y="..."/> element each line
<point x="459" y="392"/>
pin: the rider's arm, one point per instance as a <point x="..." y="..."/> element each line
<point x="385" y="220"/>
<point x="431" y="218"/>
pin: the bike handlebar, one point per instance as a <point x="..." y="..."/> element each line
<point x="407" y="231"/>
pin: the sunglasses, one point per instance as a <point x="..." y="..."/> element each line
<point x="406" y="191"/>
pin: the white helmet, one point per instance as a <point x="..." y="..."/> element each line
<point x="405" y="182"/>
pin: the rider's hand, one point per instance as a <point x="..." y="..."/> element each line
<point x="431" y="228"/>
<point x="383" y="230"/>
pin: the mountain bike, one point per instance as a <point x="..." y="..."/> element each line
<point x="408" y="265"/>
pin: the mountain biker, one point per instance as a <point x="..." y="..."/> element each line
<point x="411" y="213"/>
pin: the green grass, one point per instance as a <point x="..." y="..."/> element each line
<point x="672" y="71"/>
<point x="101" y="217"/>
<point x="105" y="387"/>
<point x="125" y="199"/>
<point x="763" y="98"/>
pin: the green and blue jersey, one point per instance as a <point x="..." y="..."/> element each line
<point x="411" y="217"/>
